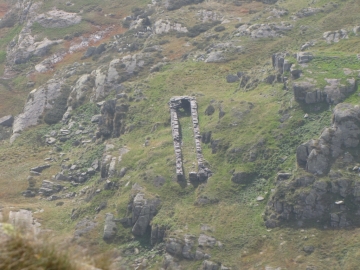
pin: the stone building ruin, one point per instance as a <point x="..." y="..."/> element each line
<point x="187" y="103"/>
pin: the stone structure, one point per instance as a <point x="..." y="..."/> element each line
<point x="187" y="102"/>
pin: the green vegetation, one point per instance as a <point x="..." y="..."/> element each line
<point x="258" y="133"/>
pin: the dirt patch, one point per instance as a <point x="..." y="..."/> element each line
<point x="3" y="9"/>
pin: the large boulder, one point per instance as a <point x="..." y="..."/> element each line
<point x="304" y="57"/>
<point x="48" y="188"/>
<point x="335" y="36"/>
<point x="143" y="211"/>
<point x="242" y="177"/>
<point x="110" y="228"/>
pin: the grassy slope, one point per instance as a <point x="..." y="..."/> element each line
<point x="236" y="219"/>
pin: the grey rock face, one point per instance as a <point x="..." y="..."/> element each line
<point x="356" y="30"/>
<point x="232" y="78"/>
<point x="264" y="30"/>
<point x="61" y="177"/>
<point x="307" y="45"/>
<point x="320" y="200"/>
<point x="82" y="87"/>
<point x="6" y="121"/>
<point x="209" y="265"/>
<point x="242" y="177"/>
<point x="335" y="36"/>
<point x="95" y="118"/>
<point x="110" y="228"/>
<point x="174" y="246"/>
<point x="216" y="57"/>
<point x="26" y="47"/>
<point x="304" y="57"/>
<point x="40" y="168"/>
<point x="186" y="247"/>
<point x="48" y="188"/>
<point x="280" y="63"/>
<point x="170" y="263"/>
<point x="143" y="212"/>
<point x="206" y="137"/>
<point x="333" y="93"/>
<point x="38" y="101"/>
<point x="157" y="234"/>
<point x="58" y="19"/>
<point x="91" y="51"/>
<point x="309" y="249"/>
<point x="189" y="241"/>
<point x="112" y="120"/>
<point x="17" y="13"/>
<point x="336" y="92"/>
<point x="316" y="156"/>
<point x="165" y="26"/>
<point x="206" y="241"/>
<point x="210" y="109"/>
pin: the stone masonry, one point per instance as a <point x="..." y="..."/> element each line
<point x="203" y="172"/>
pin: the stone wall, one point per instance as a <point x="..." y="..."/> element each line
<point x="203" y="172"/>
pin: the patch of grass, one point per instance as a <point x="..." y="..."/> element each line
<point x="75" y="30"/>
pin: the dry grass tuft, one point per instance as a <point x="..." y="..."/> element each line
<point x="24" y="251"/>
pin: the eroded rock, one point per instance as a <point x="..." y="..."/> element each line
<point x="58" y="19"/>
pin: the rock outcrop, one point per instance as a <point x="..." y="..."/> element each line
<point x="110" y="228"/>
<point x="264" y="30"/>
<point x="142" y="211"/>
<point x="38" y="101"/>
<point x="190" y="247"/>
<point x="112" y="120"/>
<point x="333" y="93"/>
<point x="335" y="36"/>
<point x="57" y="19"/>
<point x="308" y="197"/>
<point x="165" y="26"/>
<point x="316" y="156"/>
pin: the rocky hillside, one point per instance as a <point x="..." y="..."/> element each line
<point x="184" y="134"/>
